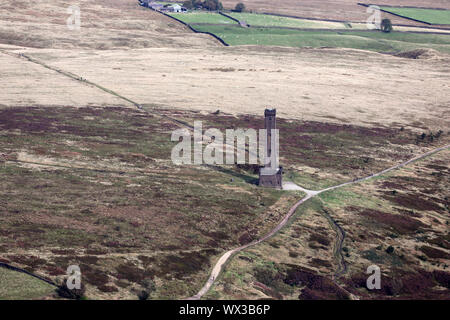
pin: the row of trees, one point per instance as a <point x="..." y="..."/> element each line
<point x="212" y="5"/>
<point x="240" y="7"/>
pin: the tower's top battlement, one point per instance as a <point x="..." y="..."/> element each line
<point x="270" y="112"/>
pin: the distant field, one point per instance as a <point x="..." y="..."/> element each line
<point x="202" y="17"/>
<point x="373" y="41"/>
<point x="426" y="15"/>
<point x="342" y="10"/>
<point x="255" y="19"/>
<point x="19" y="286"/>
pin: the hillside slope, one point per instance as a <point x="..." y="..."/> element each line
<point x="105" y="25"/>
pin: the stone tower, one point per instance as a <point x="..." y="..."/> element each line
<point x="268" y="178"/>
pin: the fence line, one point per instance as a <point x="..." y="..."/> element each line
<point x="10" y="267"/>
<point x="191" y="28"/>
<point x="398" y="15"/>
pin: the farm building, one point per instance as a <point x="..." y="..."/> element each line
<point x="176" y="8"/>
<point x="161" y="7"/>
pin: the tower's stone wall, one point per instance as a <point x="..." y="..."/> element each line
<point x="273" y="180"/>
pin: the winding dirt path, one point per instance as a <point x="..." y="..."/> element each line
<point x="309" y="194"/>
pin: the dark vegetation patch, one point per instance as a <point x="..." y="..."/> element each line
<point x="76" y="294"/>
<point x="438" y="168"/>
<point x="65" y="252"/>
<point x="267" y="290"/>
<point x="108" y="288"/>
<point x="319" y="238"/>
<point x="442" y="277"/>
<point x="96" y="252"/>
<point x="413" y="201"/>
<point x="394" y="186"/>
<point x="122" y="283"/>
<point x="32" y="262"/>
<point x="411" y="283"/>
<point x="218" y="235"/>
<point x="399" y="223"/>
<point x="399" y="183"/>
<point x="125" y="129"/>
<point x="93" y="275"/>
<point x="249" y="168"/>
<point x="418" y="284"/>
<point x="54" y="270"/>
<point x="410" y="213"/>
<point x="425" y="138"/>
<point x="434" y="253"/>
<point x="146" y="261"/>
<point x="132" y="273"/>
<point x="271" y="277"/>
<point x="442" y="241"/>
<point x="245" y="258"/>
<point x="373" y="256"/>
<point x="185" y="264"/>
<point x="91" y="260"/>
<point x="247" y="237"/>
<point x="131" y="212"/>
<point x="316" y="262"/>
<point x="316" y="287"/>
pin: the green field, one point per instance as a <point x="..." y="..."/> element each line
<point x="373" y="41"/>
<point x="202" y="17"/>
<point x="426" y="15"/>
<point x="19" y="286"/>
<point x="264" y="20"/>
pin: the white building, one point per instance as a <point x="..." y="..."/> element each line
<point x="176" y="8"/>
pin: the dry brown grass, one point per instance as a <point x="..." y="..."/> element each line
<point x="24" y="83"/>
<point x="339" y="85"/>
<point x="104" y="25"/>
<point x="346" y="86"/>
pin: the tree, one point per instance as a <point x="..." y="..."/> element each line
<point x="386" y="25"/>
<point x="143" y="295"/>
<point x="188" y="4"/>
<point x="212" y="5"/>
<point x="390" y="249"/>
<point x="192" y="4"/>
<point x="240" y="7"/>
<point x="64" y="292"/>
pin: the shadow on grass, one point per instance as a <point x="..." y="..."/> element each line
<point x="245" y="177"/>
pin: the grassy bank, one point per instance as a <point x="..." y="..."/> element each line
<point x="372" y="41"/>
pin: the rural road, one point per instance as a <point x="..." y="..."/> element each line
<point x="309" y="194"/>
